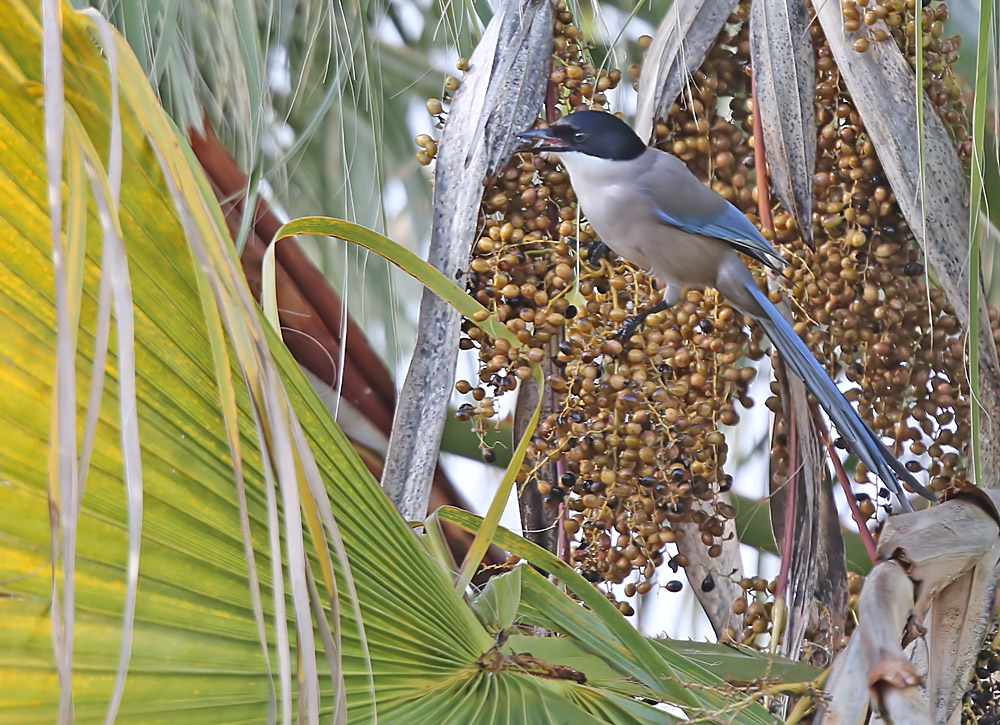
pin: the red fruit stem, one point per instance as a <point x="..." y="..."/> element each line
<point x="856" y="514"/>
<point x="314" y="317"/>
<point x="760" y="165"/>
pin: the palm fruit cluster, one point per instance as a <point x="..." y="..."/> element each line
<point x="896" y="19"/>
<point x="893" y="334"/>
<point x="861" y="297"/>
<point x="635" y="428"/>
<point x="635" y="423"/>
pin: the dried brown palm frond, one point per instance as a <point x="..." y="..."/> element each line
<point x="923" y="613"/>
<point x="503" y="88"/>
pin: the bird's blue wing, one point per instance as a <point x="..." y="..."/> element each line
<point x="728" y="224"/>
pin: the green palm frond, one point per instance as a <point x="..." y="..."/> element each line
<point x="271" y="577"/>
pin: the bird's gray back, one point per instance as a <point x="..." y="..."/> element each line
<point x="620" y="200"/>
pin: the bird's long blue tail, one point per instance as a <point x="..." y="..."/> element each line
<point x="859" y="437"/>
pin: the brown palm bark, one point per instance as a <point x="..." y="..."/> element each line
<point x="313" y="319"/>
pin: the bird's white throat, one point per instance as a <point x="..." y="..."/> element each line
<point x="584" y="165"/>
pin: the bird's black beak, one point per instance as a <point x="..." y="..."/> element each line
<point x="539" y="139"/>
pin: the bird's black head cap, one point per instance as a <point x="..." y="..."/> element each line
<point x="594" y="133"/>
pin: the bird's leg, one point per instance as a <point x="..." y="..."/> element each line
<point x="632" y="323"/>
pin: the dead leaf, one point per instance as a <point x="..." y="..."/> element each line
<point x="815" y="543"/>
<point x="501" y="94"/>
<point x="952" y="552"/>
<point x="831" y="591"/>
<point x="940" y="567"/>
<point x="537" y="521"/>
<point x="785" y="73"/>
<point x="715" y="582"/>
<point x="681" y="42"/>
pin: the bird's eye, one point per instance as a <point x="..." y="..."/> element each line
<point x="579" y="136"/>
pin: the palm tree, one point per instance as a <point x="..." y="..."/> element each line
<point x="207" y="505"/>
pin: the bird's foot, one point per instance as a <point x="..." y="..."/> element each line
<point x="624" y="333"/>
<point x="595" y="251"/>
<point x="631" y="324"/>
